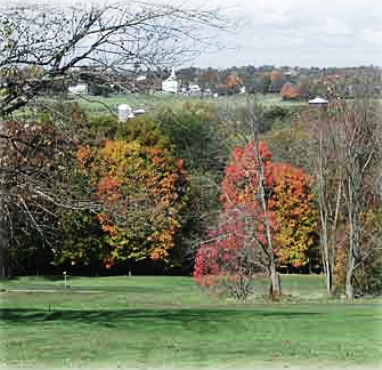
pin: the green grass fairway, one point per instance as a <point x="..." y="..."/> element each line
<point x="168" y="323"/>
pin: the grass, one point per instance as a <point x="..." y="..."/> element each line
<point x="98" y="105"/>
<point x="168" y="322"/>
<point x="152" y="101"/>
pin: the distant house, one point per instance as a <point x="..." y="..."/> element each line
<point x="207" y="93"/>
<point x="291" y="73"/>
<point x="184" y="91"/>
<point x="171" y="85"/>
<point x="318" y="102"/>
<point x="194" y="89"/>
<point x="80" y="89"/>
<point x="125" y="112"/>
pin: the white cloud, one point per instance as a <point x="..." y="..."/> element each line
<point x="336" y="27"/>
<point x="292" y="41"/>
<point x="372" y="36"/>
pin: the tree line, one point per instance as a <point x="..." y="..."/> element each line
<point x="200" y="189"/>
<point x="184" y="191"/>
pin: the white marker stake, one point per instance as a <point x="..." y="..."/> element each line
<point x="65" y="277"/>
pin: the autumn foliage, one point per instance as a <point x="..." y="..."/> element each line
<point x="141" y="189"/>
<point x="232" y="83"/>
<point x="290" y="92"/>
<point x="238" y="247"/>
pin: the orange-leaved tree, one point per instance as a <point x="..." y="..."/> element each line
<point x="141" y="189"/>
<point x="290" y="92"/>
<point x="292" y="201"/>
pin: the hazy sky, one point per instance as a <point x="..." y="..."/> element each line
<point x="293" y="32"/>
<point x="302" y="32"/>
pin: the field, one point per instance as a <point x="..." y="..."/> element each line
<point x="96" y="105"/>
<point x="151" y="101"/>
<point x="168" y="322"/>
<point x="100" y="105"/>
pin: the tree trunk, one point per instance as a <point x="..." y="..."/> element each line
<point x="354" y="223"/>
<point x="332" y="243"/>
<point x="275" y="288"/>
<point x="128" y="268"/>
<point x="3" y="270"/>
<point x="353" y="254"/>
<point x="310" y="261"/>
<point x="349" y="275"/>
<point x="324" y="218"/>
<point x="325" y="250"/>
<point x="4" y="247"/>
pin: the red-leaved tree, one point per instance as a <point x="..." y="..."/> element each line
<point x="266" y="221"/>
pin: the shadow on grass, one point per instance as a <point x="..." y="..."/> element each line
<point x="115" y="317"/>
<point x="34" y="278"/>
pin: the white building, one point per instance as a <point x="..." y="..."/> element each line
<point x="80" y="89"/>
<point x="207" y="93"/>
<point x="171" y="85"/>
<point x="125" y="112"/>
<point x="318" y="102"/>
<point x="194" y="89"/>
<point x="139" y="111"/>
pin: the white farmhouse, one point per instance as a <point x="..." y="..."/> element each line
<point x="80" y="89"/>
<point x="171" y="85"/>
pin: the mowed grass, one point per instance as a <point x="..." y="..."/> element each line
<point x="168" y="322"/>
<point x="153" y="101"/>
<point x="99" y="104"/>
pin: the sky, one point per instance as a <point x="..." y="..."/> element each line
<point x="307" y="33"/>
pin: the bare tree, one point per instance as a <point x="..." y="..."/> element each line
<point x="362" y="141"/>
<point x="345" y="149"/>
<point x="112" y="43"/>
<point x="324" y="158"/>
